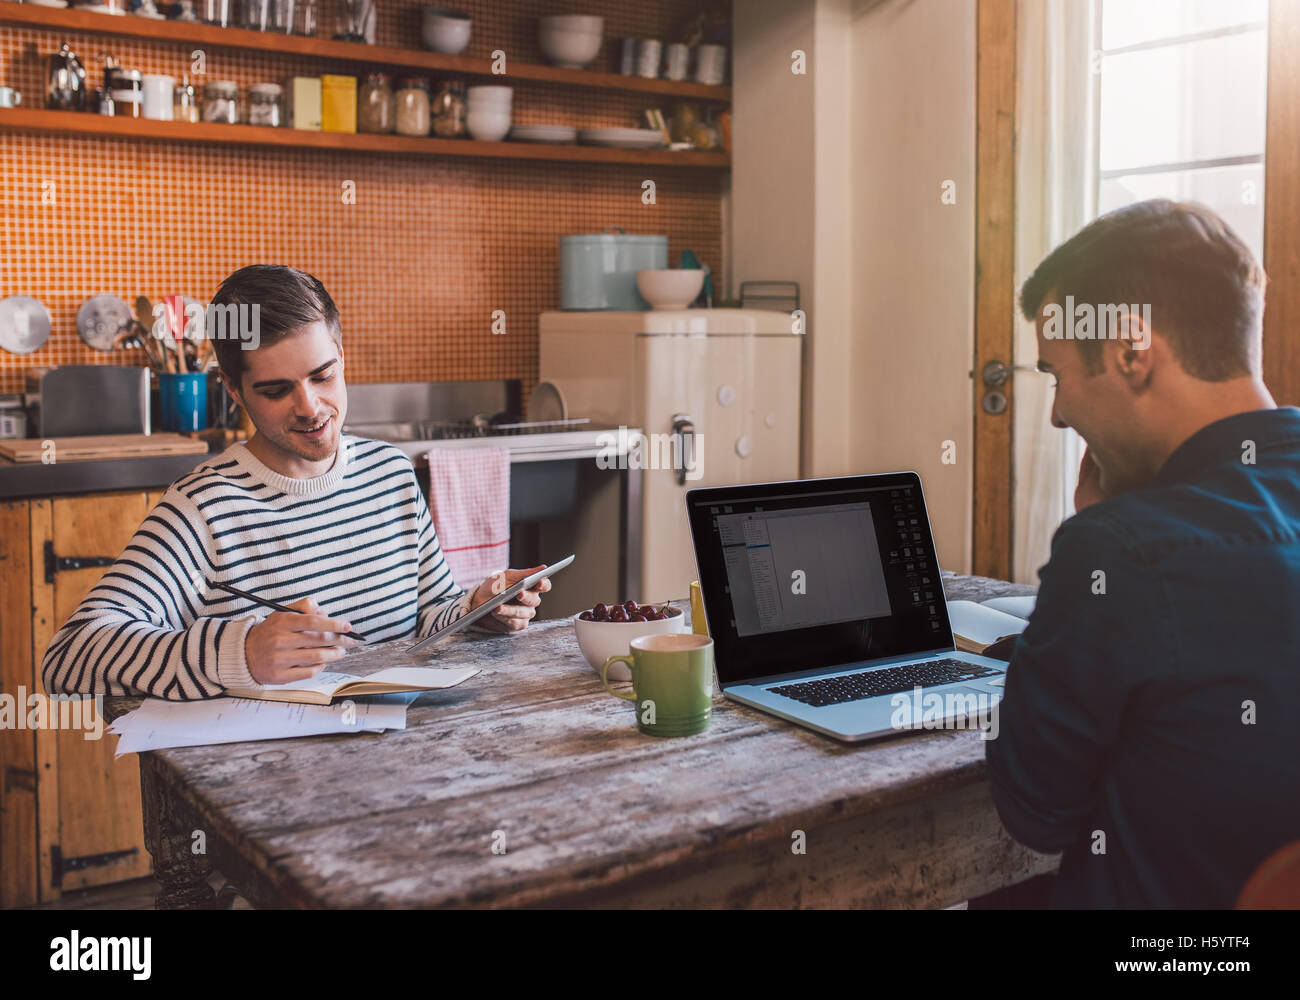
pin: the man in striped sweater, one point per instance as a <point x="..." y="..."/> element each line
<point x="329" y="524"/>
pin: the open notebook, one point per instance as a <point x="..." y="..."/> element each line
<point x="975" y="627"/>
<point x="326" y="686"/>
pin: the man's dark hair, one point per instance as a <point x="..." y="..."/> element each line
<point x="287" y="299"/>
<point x="1204" y="286"/>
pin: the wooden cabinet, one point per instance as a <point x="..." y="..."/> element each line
<point x="69" y="813"/>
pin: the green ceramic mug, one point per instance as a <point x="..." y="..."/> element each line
<point x="672" y="683"/>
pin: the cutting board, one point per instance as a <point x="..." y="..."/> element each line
<point x="100" y="446"/>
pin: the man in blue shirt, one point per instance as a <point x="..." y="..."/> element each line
<point x="1151" y="723"/>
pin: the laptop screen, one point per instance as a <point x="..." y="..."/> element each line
<point x="817" y="573"/>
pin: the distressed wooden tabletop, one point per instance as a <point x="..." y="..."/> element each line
<point x="533" y="758"/>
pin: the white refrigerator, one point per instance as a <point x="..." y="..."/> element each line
<point x="714" y="394"/>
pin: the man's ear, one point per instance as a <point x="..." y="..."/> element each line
<point x="1135" y="359"/>
<point x="231" y="391"/>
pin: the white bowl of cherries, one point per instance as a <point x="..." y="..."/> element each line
<point x="606" y="631"/>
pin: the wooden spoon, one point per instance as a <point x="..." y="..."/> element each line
<point x="144" y="315"/>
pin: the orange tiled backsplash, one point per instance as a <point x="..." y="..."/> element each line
<point x="416" y="266"/>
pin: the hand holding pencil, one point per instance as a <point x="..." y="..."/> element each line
<point x="296" y="644"/>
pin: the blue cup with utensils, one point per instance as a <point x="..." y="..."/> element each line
<point x="183" y="400"/>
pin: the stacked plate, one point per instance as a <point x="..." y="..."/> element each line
<point x="543" y="133"/>
<point x="622" y="138"/>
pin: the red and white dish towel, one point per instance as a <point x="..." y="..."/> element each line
<point x="469" y="498"/>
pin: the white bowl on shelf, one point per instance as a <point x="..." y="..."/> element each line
<point x="571" y="41"/>
<point x="671" y="288"/>
<point x="445" y="30"/>
<point x="601" y="640"/>
<point x="487" y="124"/>
<point x="489" y="98"/>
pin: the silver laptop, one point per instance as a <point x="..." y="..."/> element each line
<point x="825" y="605"/>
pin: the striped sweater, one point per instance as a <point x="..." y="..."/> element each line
<point x="358" y="539"/>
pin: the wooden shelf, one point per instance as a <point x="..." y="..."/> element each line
<point x="130" y="26"/>
<point x="99" y="126"/>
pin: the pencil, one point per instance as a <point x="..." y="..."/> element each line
<point x="271" y="604"/>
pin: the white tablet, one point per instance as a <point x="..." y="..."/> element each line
<point x="490" y="605"/>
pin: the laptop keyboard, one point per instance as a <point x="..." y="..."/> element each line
<point x="873" y="683"/>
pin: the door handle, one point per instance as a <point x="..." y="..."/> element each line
<point x="683" y="445"/>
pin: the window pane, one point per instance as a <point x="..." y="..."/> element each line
<point x="1128" y="22"/>
<point x="1199" y="100"/>
<point x="1236" y="193"/>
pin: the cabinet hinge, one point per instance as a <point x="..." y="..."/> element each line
<point x="60" y="865"/>
<point x="54" y="564"/>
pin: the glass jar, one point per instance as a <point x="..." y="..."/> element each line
<point x="221" y="102"/>
<point x="126" y="87"/>
<point x="413" y="106"/>
<point x="265" y="104"/>
<point x="185" y="102"/>
<point x="283" y="16"/>
<point x="304" y="18"/>
<point x="447" y="110"/>
<point x="258" y="15"/>
<point x="376" y="104"/>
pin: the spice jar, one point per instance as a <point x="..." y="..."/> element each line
<point x="265" y="104"/>
<point x="413" y="106"/>
<point x="376" y="104"/>
<point x="447" y="110"/>
<point x="221" y="102"/>
<point x="185" y="102"/>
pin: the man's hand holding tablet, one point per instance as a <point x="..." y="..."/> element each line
<point x="515" y="614"/>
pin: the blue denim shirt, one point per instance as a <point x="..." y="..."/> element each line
<point x="1150" y="727"/>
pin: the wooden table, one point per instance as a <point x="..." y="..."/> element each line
<point x="528" y="785"/>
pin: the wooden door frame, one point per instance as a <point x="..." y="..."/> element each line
<point x="996" y="138"/>
<point x="1282" y="204"/>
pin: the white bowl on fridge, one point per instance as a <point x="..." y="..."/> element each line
<point x="672" y="288"/>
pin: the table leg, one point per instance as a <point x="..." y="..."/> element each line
<point x="182" y="875"/>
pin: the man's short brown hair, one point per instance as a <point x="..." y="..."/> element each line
<point x="287" y="299"/>
<point x="1203" y="284"/>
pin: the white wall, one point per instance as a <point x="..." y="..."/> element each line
<point x="914" y="257"/>
<point x="836" y="183"/>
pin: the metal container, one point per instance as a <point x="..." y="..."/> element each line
<point x="92" y="399"/>
<point x="13" y="417"/>
<point x="65" y="81"/>
<point x="599" y="271"/>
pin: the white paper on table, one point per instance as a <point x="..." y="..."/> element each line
<point x="1021" y="607"/>
<point x="425" y="678"/>
<point x="158" y="724"/>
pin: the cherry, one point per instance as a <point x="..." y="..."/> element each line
<point x="619" y="614"/>
<point x="587" y="616"/>
<point x="631" y="607"/>
<point x="637" y="618"/>
<point x="600" y="613"/>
